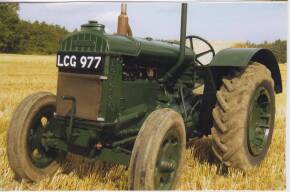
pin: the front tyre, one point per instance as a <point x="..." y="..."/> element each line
<point x="27" y="157"/>
<point x="244" y="117"/>
<point x="158" y="152"/>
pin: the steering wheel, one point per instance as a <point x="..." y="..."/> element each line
<point x="197" y="56"/>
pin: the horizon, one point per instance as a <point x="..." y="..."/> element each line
<point x="231" y="22"/>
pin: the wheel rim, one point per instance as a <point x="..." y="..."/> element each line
<point x="40" y="156"/>
<point x="167" y="160"/>
<point x="260" y="121"/>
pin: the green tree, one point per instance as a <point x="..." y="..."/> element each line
<point x="8" y="23"/>
<point x="40" y="38"/>
<point x="18" y="36"/>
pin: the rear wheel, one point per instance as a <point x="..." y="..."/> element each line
<point x="158" y="152"/>
<point x="27" y="157"/>
<point x="244" y="117"/>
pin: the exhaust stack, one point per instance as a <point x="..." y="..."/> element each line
<point x="123" y="22"/>
<point x="172" y="71"/>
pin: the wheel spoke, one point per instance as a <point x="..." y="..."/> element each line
<point x="32" y="142"/>
<point x="39" y="156"/>
<point x="265" y="126"/>
<point x="196" y="59"/>
<point x="203" y="53"/>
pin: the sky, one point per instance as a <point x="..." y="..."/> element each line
<point x="255" y="22"/>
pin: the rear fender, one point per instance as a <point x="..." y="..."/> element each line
<point x="241" y="57"/>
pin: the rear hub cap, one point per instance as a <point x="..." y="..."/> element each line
<point x="259" y="122"/>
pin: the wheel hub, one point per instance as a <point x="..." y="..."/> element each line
<point x="167" y="161"/>
<point x="259" y="123"/>
<point x="40" y="156"/>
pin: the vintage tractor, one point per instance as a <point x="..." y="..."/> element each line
<point x="132" y="101"/>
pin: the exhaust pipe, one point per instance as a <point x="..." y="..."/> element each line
<point x="123" y="22"/>
<point x="180" y="60"/>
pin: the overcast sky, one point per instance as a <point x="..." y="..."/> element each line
<point x="255" y="22"/>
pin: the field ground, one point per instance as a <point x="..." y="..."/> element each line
<point x="22" y="75"/>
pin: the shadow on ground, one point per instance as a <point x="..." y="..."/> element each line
<point x="201" y="150"/>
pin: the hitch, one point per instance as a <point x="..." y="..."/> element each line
<point x="72" y="115"/>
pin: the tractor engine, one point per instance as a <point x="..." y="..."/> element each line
<point x="95" y="68"/>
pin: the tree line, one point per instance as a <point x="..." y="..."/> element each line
<point x="19" y="36"/>
<point x="278" y="47"/>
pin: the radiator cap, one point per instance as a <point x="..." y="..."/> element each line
<point x="93" y="25"/>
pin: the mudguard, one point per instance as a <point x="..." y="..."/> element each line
<point x="241" y="57"/>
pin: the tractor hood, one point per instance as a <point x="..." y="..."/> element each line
<point x="93" y="38"/>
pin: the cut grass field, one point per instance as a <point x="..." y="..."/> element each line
<point x="22" y="75"/>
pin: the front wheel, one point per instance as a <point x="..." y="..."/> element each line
<point x="158" y="152"/>
<point x="244" y="117"/>
<point x="27" y="157"/>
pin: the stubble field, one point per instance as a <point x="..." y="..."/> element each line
<point x="22" y="75"/>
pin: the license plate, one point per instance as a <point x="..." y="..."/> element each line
<point x="80" y="63"/>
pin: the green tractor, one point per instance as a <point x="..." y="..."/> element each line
<point x="132" y="101"/>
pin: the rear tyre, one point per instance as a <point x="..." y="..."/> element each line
<point x="158" y="152"/>
<point x="244" y="117"/>
<point x="27" y="157"/>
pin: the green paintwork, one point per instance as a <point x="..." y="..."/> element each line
<point x="259" y="121"/>
<point x="93" y="40"/>
<point x="138" y="92"/>
<point x="132" y="113"/>
<point x="241" y="57"/>
<point x="111" y="89"/>
<point x="113" y="156"/>
<point x="72" y="116"/>
<point x="125" y="102"/>
<point x="127" y="140"/>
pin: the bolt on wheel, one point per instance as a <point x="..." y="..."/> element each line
<point x="244" y="117"/>
<point x="167" y="161"/>
<point x="158" y="152"/>
<point x="27" y="157"/>
<point x="259" y="123"/>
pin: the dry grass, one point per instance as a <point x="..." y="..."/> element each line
<point x="21" y="75"/>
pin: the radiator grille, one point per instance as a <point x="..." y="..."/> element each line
<point x="87" y="91"/>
